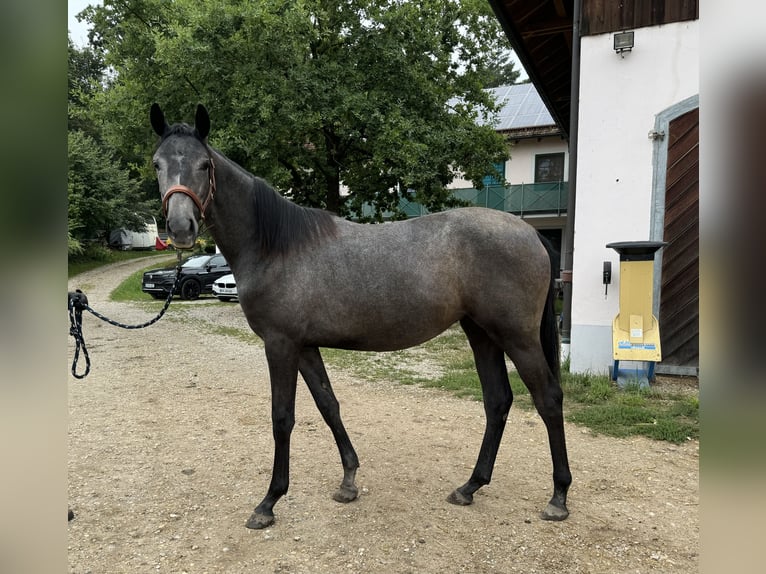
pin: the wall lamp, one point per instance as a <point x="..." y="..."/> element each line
<point x="623" y="42"/>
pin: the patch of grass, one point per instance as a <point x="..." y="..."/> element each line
<point x="374" y="366"/>
<point x="631" y="410"/>
<point x="615" y="419"/>
<point x="587" y="388"/>
<point x="244" y="335"/>
<point x="459" y="377"/>
<point x="130" y="289"/>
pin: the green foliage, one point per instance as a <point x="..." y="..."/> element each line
<point x="74" y="246"/>
<point x="101" y="194"/>
<point x="503" y="73"/>
<point x="84" y="75"/>
<point x="379" y="96"/>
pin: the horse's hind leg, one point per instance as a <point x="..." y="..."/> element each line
<point x="490" y="364"/>
<point x="313" y="371"/>
<point x="545" y="389"/>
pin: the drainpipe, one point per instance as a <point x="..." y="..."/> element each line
<point x="574" y="111"/>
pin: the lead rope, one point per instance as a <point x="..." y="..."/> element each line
<point x="78" y="302"/>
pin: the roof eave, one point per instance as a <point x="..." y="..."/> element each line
<point x="534" y="132"/>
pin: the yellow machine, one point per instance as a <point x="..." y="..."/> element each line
<point x="635" y="330"/>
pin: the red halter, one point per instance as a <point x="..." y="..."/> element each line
<point x="202" y="207"/>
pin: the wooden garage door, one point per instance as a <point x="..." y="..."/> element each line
<point x="679" y="299"/>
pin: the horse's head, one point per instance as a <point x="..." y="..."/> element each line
<point x="185" y="173"/>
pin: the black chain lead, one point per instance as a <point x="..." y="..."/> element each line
<point x="78" y="302"/>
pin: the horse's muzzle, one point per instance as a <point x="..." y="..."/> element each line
<point x="182" y="231"/>
<point x="181" y="221"/>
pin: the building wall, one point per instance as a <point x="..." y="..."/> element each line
<point x="520" y="168"/>
<point x="619" y="100"/>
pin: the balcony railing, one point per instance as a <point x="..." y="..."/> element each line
<point x="524" y="199"/>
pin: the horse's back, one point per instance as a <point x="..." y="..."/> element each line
<point x="394" y="285"/>
<point x="472" y="243"/>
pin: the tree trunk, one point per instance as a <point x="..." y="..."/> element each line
<point x="333" y="191"/>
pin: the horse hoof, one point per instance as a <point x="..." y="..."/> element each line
<point x="259" y="521"/>
<point x="345" y="494"/>
<point x="459" y="498"/>
<point x="553" y="512"/>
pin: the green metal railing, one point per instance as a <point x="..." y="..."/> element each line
<point x="524" y="199"/>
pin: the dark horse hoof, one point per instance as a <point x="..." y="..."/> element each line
<point x="259" y="521"/>
<point x="459" y="498"/>
<point x="345" y="493"/>
<point x="554" y="512"/>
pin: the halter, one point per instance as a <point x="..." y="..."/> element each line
<point x="202" y="207"/>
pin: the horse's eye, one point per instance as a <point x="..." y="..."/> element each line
<point x="156" y="166"/>
<point x="205" y="166"/>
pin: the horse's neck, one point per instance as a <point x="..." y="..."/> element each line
<point x="251" y="220"/>
<point x="230" y="221"/>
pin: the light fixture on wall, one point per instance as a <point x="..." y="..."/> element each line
<point x="623" y="42"/>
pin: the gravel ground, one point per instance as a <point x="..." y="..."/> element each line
<point x="170" y="449"/>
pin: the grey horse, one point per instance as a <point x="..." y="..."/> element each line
<point x="308" y="279"/>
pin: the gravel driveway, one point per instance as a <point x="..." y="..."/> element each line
<point x="170" y="449"/>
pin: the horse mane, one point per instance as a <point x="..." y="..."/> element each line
<point x="282" y="226"/>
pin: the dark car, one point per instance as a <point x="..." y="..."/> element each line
<point x="197" y="275"/>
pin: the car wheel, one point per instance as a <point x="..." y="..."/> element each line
<point x="190" y="289"/>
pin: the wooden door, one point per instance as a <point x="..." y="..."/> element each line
<point x="679" y="299"/>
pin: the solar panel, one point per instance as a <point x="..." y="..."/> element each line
<point x="520" y="107"/>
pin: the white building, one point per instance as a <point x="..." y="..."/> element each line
<point x="626" y="105"/>
<point x="621" y="80"/>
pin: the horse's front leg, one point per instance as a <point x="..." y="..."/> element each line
<point x="282" y="357"/>
<point x="314" y="373"/>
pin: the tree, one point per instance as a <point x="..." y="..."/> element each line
<point x="101" y="194"/>
<point x="84" y="77"/>
<point x="503" y="73"/>
<point x="338" y="103"/>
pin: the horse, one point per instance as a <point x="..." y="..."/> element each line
<point x="308" y="279"/>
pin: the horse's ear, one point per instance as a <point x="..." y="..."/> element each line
<point x="202" y="122"/>
<point x="158" y="120"/>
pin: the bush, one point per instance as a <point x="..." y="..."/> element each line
<point x="74" y="247"/>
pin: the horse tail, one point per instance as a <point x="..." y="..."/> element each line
<point x="549" y="332"/>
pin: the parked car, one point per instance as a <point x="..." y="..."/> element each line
<point x="197" y="275"/>
<point x="225" y="288"/>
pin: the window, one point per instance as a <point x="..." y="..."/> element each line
<point x="549" y="167"/>
<point x="495" y="178"/>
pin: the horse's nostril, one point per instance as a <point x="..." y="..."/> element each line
<point x="182" y="230"/>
